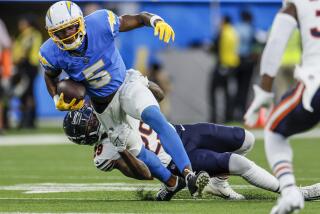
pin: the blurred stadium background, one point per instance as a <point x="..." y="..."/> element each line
<point x="202" y="84"/>
<point x="188" y="62"/>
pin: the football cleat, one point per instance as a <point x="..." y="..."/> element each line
<point x="166" y="193"/>
<point x="311" y="192"/>
<point x="197" y="182"/>
<point x="290" y="201"/>
<point x="221" y="188"/>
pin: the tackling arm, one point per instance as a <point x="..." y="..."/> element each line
<point x="131" y="167"/>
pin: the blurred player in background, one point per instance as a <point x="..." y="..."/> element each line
<point x="299" y="109"/>
<point x="223" y="79"/>
<point x="84" y="47"/>
<point x="245" y="69"/>
<point x="25" y="57"/>
<point x="5" y="71"/>
<point x="217" y="149"/>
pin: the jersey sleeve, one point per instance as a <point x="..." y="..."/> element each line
<point x="48" y="64"/>
<point x="113" y="23"/>
<point x="105" y="155"/>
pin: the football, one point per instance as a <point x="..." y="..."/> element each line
<point x="71" y="89"/>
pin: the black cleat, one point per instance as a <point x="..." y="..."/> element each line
<point x="197" y="182"/>
<point x="166" y="193"/>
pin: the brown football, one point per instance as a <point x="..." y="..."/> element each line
<point x="71" y="89"/>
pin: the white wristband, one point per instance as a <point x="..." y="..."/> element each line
<point x="154" y="18"/>
<point x="55" y="99"/>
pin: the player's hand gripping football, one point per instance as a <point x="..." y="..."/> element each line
<point x="165" y="31"/>
<point x="261" y="99"/>
<point x="63" y="106"/>
<point x="119" y="136"/>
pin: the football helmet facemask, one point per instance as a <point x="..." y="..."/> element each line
<point x="65" y="25"/>
<point x="83" y="127"/>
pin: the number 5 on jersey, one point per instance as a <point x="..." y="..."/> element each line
<point x="97" y="78"/>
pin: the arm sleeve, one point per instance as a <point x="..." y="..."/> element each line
<point x="105" y="156"/>
<point x="113" y="23"/>
<point x="48" y="66"/>
<point x="281" y="30"/>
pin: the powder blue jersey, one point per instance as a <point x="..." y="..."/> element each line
<point x="101" y="69"/>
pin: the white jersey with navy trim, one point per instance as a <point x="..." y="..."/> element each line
<point x="308" y="12"/>
<point x="105" y="153"/>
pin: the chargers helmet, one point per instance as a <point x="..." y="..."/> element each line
<point x="65" y="25"/>
<point x="83" y="127"/>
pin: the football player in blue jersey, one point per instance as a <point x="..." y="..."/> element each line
<point x="217" y="149"/>
<point x="84" y="47"/>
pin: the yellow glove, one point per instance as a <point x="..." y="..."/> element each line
<point x="63" y="106"/>
<point x="165" y="31"/>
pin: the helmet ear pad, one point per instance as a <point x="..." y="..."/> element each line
<point x="82" y="126"/>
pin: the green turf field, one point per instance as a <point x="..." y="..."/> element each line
<point x="62" y="178"/>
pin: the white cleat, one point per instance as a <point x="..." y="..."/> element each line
<point x="311" y="193"/>
<point x="221" y="188"/>
<point x="290" y="201"/>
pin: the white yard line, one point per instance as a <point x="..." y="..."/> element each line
<point x="87" y="187"/>
<point x="37" y="139"/>
<point x="76" y="187"/>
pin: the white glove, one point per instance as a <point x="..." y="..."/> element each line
<point x="291" y="200"/>
<point x="262" y="98"/>
<point x="119" y="136"/>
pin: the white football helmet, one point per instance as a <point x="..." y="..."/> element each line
<point x="65" y="25"/>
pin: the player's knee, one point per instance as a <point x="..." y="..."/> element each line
<point x="153" y="117"/>
<point x="248" y="143"/>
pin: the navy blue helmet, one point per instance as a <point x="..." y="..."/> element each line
<point x="82" y="126"/>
